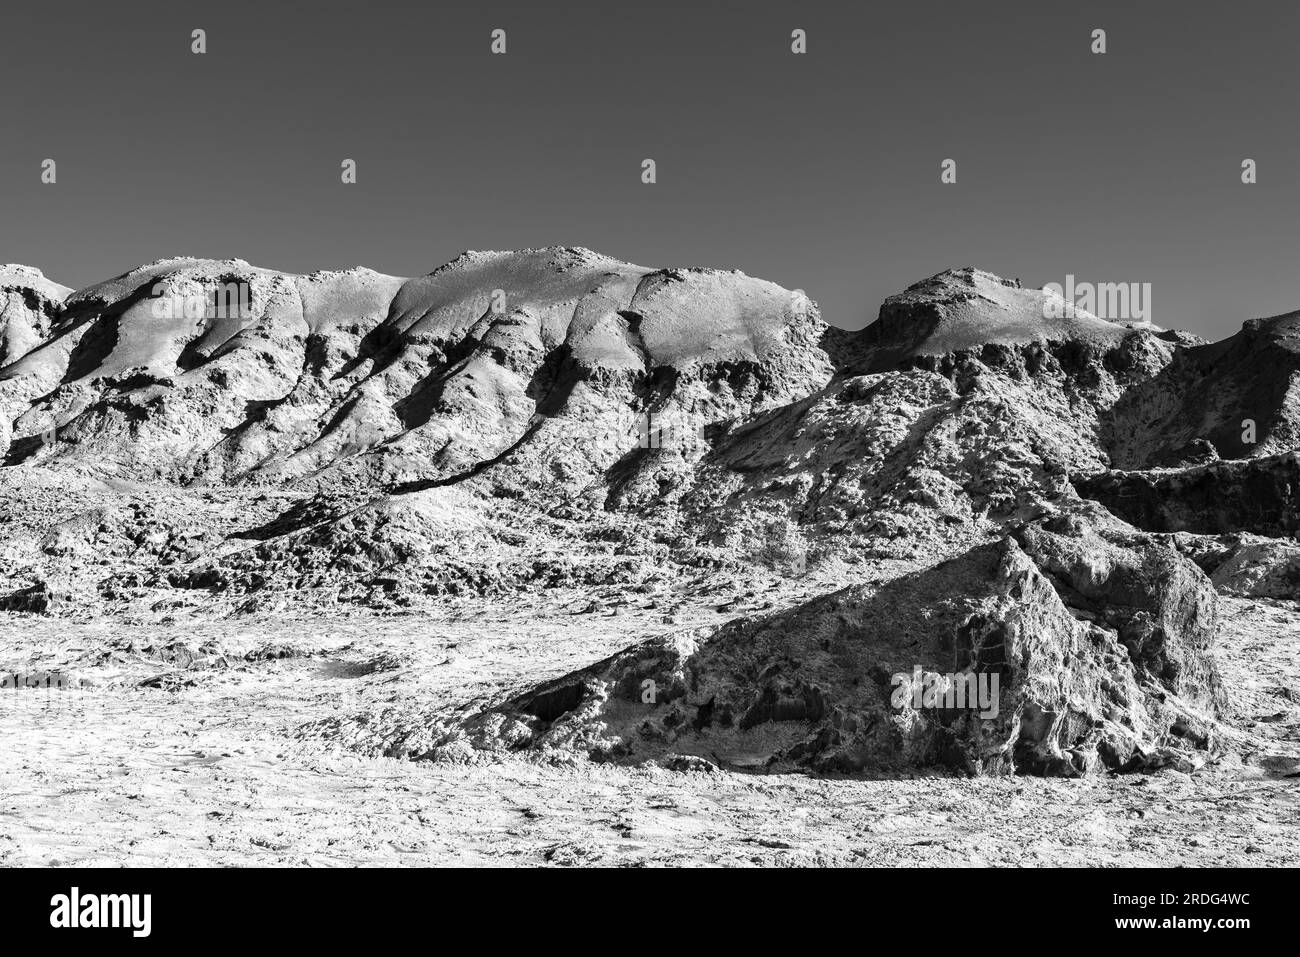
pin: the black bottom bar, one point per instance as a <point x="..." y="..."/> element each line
<point x="221" y="907"/>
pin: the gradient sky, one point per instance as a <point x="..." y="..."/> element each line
<point x="819" y="171"/>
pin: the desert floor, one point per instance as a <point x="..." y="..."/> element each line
<point x="268" y="749"/>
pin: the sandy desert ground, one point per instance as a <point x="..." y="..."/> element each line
<point x="224" y="764"/>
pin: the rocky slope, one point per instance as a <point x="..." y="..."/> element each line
<point x="1235" y="399"/>
<point x="218" y="437"/>
<point x="340" y="377"/>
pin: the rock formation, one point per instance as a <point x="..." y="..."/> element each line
<point x="982" y="489"/>
<point x="1094" y="641"/>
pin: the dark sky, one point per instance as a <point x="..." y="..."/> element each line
<point x="819" y="172"/>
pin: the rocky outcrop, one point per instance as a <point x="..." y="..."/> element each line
<point x="1248" y="495"/>
<point x="1261" y="568"/>
<point x="358" y="378"/>
<point x="208" y="434"/>
<point x="29" y="304"/>
<point x="1076" y="646"/>
<point x="962" y="322"/>
<point x="1238" y="398"/>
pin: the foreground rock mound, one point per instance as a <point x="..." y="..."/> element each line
<point x="1069" y="647"/>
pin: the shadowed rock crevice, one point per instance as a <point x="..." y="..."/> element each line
<point x="1251" y="495"/>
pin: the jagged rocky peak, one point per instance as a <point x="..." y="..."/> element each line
<point x="16" y="276"/>
<point x="28" y="304"/>
<point x="967" y="315"/>
<point x="961" y="309"/>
